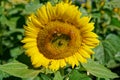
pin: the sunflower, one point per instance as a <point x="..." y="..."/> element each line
<point x="57" y="35"/>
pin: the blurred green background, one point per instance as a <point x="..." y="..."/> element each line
<point x="105" y="14"/>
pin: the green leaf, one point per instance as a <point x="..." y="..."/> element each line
<point x="76" y="75"/>
<point x="113" y="64"/>
<point x="3" y="20"/>
<point x="14" y="10"/>
<point x="45" y="77"/>
<point x="108" y="49"/>
<point x="19" y="70"/>
<point x="115" y="21"/>
<point x="1" y="10"/>
<point x="113" y="28"/>
<point x="36" y="78"/>
<point x="100" y="54"/>
<point x="16" y="51"/>
<point x="12" y="23"/>
<point x="58" y="76"/>
<point x="96" y="15"/>
<point x="98" y="70"/>
<point x="114" y="40"/>
<point x="84" y="11"/>
<point x="117" y="56"/>
<point x="47" y="71"/>
<point x="32" y="7"/>
<point x="103" y="79"/>
<point x="115" y="3"/>
<point x="3" y="75"/>
<point x="104" y="52"/>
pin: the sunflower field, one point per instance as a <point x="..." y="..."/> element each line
<point x="59" y="39"/>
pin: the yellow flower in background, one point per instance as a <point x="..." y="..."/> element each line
<point x="117" y="10"/>
<point x="19" y="1"/>
<point x="102" y="3"/>
<point x="56" y="36"/>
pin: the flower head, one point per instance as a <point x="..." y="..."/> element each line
<point x="56" y="36"/>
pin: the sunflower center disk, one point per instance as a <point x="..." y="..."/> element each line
<point x="58" y="40"/>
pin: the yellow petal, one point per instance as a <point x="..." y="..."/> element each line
<point x="83" y="21"/>
<point x="60" y="9"/>
<point x="50" y="11"/>
<point x="62" y="63"/>
<point x="87" y="28"/>
<point x="27" y="39"/>
<point x="30" y="44"/>
<point x="80" y="58"/>
<point x="31" y="35"/>
<point x="36" y="22"/>
<point x="89" y="35"/>
<point x="70" y="61"/>
<point x="42" y="15"/>
<point x="54" y="65"/>
<point x="71" y="14"/>
<point x="31" y="51"/>
<point x="76" y="61"/>
<point x="87" y="49"/>
<point x="84" y="53"/>
<point x="91" y="41"/>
